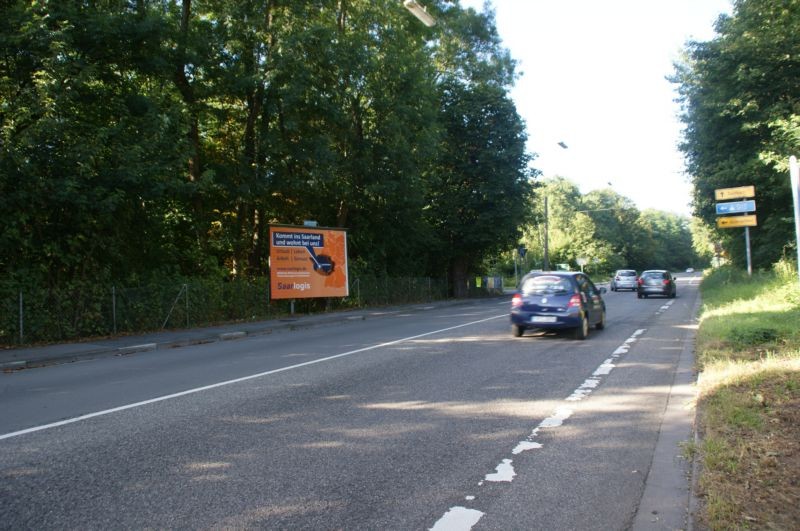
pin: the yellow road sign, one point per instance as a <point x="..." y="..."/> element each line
<point x="721" y="194"/>
<point x="729" y="222"/>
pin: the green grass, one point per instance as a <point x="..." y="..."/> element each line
<point x="748" y="352"/>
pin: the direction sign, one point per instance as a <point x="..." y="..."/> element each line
<point x="730" y="222"/>
<point x="736" y="207"/>
<point x="721" y="194"/>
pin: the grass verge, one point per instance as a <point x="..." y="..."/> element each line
<point x="748" y="355"/>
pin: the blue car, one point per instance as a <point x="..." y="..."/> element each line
<point x="558" y="300"/>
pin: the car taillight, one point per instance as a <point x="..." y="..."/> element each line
<point x="574" y="301"/>
<point x="516" y="300"/>
<point x="666" y="282"/>
<point x="640" y="281"/>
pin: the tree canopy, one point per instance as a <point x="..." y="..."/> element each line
<point x="608" y="231"/>
<point x="143" y="138"/>
<point x="741" y="109"/>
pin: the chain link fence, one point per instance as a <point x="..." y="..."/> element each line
<point x="31" y="315"/>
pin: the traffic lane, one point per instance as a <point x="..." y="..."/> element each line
<point x="41" y="396"/>
<point x="590" y="471"/>
<point x="382" y="440"/>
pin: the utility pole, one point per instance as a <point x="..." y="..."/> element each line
<point x="546" y="250"/>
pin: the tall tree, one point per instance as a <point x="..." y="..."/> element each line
<point x="741" y="106"/>
<point x="480" y="185"/>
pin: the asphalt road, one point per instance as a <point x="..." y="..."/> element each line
<point x="436" y="419"/>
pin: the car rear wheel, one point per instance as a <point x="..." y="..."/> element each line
<point x="517" y="330"/>
<point x="583" y="330"/>
<point x="602" y="322"/>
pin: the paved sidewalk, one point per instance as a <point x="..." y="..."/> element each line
<point x="22" y="358"/>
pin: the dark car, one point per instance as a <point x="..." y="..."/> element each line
<point x="558" y="300"/>
<point x="656" y="282"/>
<point x="624" y="279"/>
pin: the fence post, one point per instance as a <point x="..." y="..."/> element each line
<point x="186" y="287"/>
<point x="21" y="320"/>
<point x="114" y="307"/>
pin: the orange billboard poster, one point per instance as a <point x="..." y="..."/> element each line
<point x="307" y="262"/>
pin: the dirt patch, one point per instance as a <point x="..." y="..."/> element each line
<point x="752" y="480"/>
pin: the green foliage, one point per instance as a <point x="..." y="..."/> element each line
<point x="750" y="314"/>
<point x="606" y="229"/>
<point x="141" y="140"/>
<point x="741" y="110"/>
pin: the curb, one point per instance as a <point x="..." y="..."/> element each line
<point x="287" y="324"/>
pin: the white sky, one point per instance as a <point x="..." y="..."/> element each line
<point x="594" y="77"/>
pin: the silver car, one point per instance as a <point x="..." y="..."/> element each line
<point x="624" y="279"/>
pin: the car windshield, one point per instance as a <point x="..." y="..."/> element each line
<point x="547" y="284"/>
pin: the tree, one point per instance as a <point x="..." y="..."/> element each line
<point x="740" y="101"/>
<point x="480" y="182"/>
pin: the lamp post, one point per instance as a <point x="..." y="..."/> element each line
<point x="562" y="145"/>
<point x="419" y="12"/>
<point x="546" y="250"/>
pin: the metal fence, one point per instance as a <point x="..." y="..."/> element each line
<point x="30" y="315"/>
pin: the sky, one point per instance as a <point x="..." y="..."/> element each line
<point x="594" y="77"/>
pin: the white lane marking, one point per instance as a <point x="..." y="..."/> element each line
<point x="584" y="390"/>
<point x="504" y="471"/>
<point x="524" y="446"/>
<point x="238" y="380"/>
<point x="457" y="519"/>
<point x="604" y="368"/>
<point x="557" y="419"/>
<point x="665" y="307"/>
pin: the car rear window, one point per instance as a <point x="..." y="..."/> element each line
<point x="654" y="274"/>
<point x="547" y="284"/>
<point x="626" y="273"/>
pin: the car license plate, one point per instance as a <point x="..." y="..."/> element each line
<point x="543" y="319"/>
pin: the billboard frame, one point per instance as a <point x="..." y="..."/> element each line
<point x="307" y="262"/>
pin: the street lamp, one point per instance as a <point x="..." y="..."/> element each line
<point x="419" y="12"/>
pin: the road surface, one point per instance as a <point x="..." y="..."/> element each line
<point x="431" y="419"/>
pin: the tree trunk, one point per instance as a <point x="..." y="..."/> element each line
<point x="459" y="277"/>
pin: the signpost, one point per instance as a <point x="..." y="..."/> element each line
<point x="731" y="222"/>
<point x="737" y="207"/>
<point x="794" y="179"/>
<point x="722" y="194"/>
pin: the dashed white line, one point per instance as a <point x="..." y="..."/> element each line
<point x="461" y="518"/>
<point x="503" y="472"/>
<point x="457" y="519"/>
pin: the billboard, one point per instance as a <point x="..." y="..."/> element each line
<point x="307" y="262"/>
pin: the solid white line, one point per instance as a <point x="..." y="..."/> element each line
<point x="237" y="380"/>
